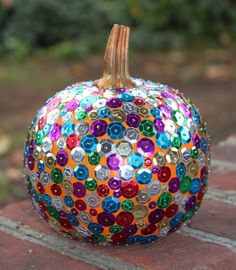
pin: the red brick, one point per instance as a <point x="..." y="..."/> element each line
<point x="174" y="252"/>
<point x="217" y="218"/>
<point x="224" y="152"/>
<point x="22" y="255"/>
<point x="222" y="180"/>
<point x="23" y="211"/>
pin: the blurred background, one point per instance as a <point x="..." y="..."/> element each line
<point x="46" y="45"/>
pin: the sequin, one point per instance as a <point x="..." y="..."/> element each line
<point x="89" y="143"/>
<point x="98" y="128"/>
<point x="114" y="183"/>
<point x="81" y="128"/>
<point x="131" y="135"/>
<point x="144" y="176"/>
<point x="135" y="160"/>
<point x="114" y="162"/>
<point x="68" y="129"/>
<point x="101" y="172"/>
<point x="77" y="154"/>
<point x="92" y="200"/>
<point x="163" y="140"/>
<point x="145" y="147"/>
<point x="81" y="172"/>
<point x="62" y="158"/>
<point x="124" y="148"/>
<point x="133" y="120"/>
<point x="156" y="216"/>
<point x="115" y="130"/>
<point x="126" y="173"/>
<point x="111" y="204"/>
<point x="79" y="190"/>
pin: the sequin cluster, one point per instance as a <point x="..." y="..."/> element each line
<point x="117" y="165"/>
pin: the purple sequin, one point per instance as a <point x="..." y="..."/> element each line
<point x="145" y="147"/>
<point x="62" y="158"/>
<point x="114" y="183"/>
<point x="174" y="184"/>
<point x="190" y="203"/>
<point x="114" y="102"/>
<point x="72" y="104"/>
<point x="79" y="190"/>
<point x="98" y="128"/>
<point x="55" y="132"/>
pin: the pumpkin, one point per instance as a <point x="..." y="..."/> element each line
<point x="118" y="160"/>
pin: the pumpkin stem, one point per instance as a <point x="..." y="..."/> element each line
<point x="115" y="71"/>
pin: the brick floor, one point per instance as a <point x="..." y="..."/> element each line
<point x="26" y="242"/>
<point x="22" y="255"/>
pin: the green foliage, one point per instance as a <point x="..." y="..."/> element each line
<point x="74" y="28"/>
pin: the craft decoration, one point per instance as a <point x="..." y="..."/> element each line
<point x="118" y="160"/>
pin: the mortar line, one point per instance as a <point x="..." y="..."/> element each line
<point x="71" y="249"/>
<point x="208" y="237"/>
<point x="223" y="164"/>
<point x="228" y="196"/>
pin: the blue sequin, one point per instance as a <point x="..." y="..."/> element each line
<point x="180" y="171"/>
<point x="89" y="143"/>
<point x="126" y="97"/>
<point x="195" y="186"/>
<point x="135" y="239"/>
<point x="115" y="130"/>
<point x="203" y="144"/>
<point x="72" y="219"/>
<point x="156" y="112"/>
<point x="196" y="116"/>
<point x="135" y="160"/>
<point x="63" y="112"/>
<point x="34" y="194"/>
<point x="95" y="228"/>
<point x="103" y="112"/>
<point x="87" y="101"/>
<point x="111" y="204"/>
<point x="46" y="199"/>
<point x="184" y="134"/>
<point x="144" y="176"/>
<point x="176" y="220"/>
<point x="148" y="239"/>
<point x="69" y="201"/>
<point x="163" y="140"/>
<point x="46" y="128"/>
<point x="68" y="129"/>
<point x="81" y="172"/>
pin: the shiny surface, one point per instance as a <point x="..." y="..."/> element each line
<point x="117" y="165"/>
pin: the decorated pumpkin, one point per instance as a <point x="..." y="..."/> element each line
<point x="118" y="160"/>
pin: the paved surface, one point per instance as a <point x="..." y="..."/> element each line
<point x="209" y="243"/>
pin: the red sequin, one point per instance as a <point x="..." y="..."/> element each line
<point x="164" y="174"/>
<point x="56" y="190"/>
<point x="148" y="162"/>
<point x="124" y="218"/>
<point x="65" y="223"/>
<point x="139" y="101"/>
<point x="42" y="122"/>
<point x="149" y="229"/>
<point x="80" y="205"/>
<point x="93" y="212"/>
<point x="130" y="189"/>
<point x="72" y="141"/>
<point x="171" y="210"/>
<point x="119" y="238"/>
<point x="40" y="188"/>
<point x="102" y="190"/>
